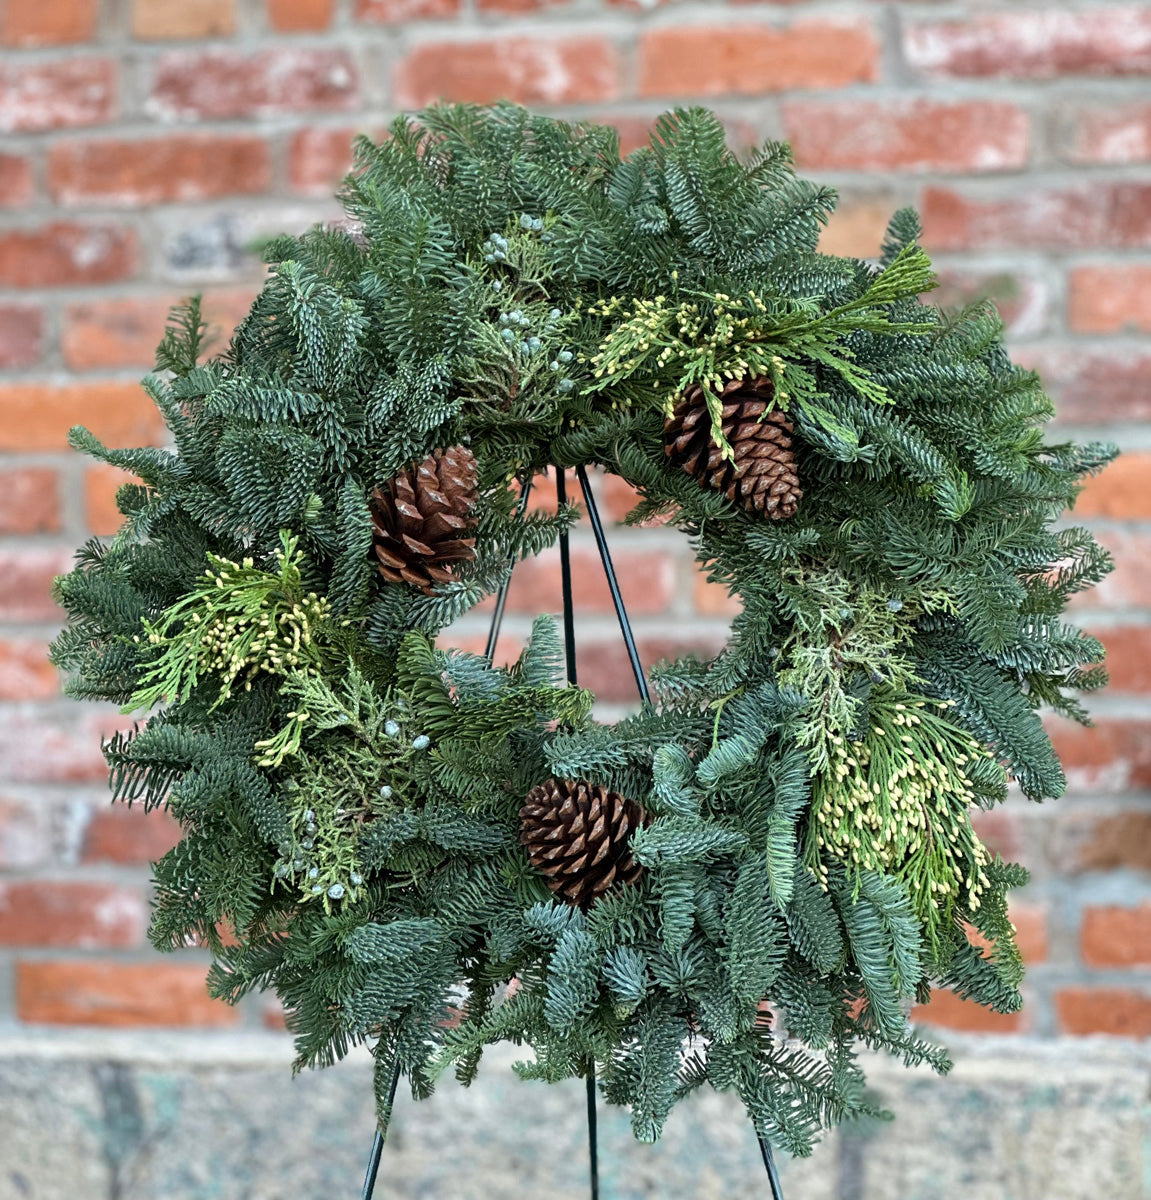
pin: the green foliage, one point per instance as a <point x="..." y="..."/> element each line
<point x="350" y="791"/>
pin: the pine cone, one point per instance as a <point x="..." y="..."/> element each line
<point x="424" y="519"/>
<point x="577" y="835"/>
<point x="762" y="476"/>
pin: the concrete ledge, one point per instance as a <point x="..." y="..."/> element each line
<point x="171" y="1116"/>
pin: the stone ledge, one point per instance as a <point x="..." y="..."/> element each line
<point x="143" y="1116"/>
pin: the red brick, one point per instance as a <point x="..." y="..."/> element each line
<point x="1110" y="299"/>
<point x="713" y="599"/>
<point x="646" y="579"/>
<point x="295" y="16"/>
<point x="195" y="85"/>
<point x="120" y="834"/>
<point x="25" y="672"/>
<point x="1000" y="832"/>
<point x="25" y="837"/>
<point x="15" y="180"/>
<point x="125" y="332"/>
<point x="189" y="167"/>
<point x="117" y="994"/>
<point x="51" y="95"/>
<point x="319" y="158"/>
<point x="21" y="335"/>
<point x="101" y="483"/>
<point x="947" y="1011"/>
<point x="1030" y="921"/>
<point x="1128" y="657"/>
<point x="38" y="416"/>
<point x="1113" y="133"/>
<point x="1105" y="213"/>
<point x="1111" y="936"/>
<point x="1094" y="386"/>
<point x="54" y="748"/>
<point x="543" y="494"/>
<point x="392" y="12"/>
<point x="617" y="497"/>
<point x="912" y="135"/>
<point x="1111" y="757"/>
<point x="160" y="20"/>
<point x="66" y="252"/>
<point x="749" y="60"/>
<point x="530" y="70"/>
<point x="1121" y="490"/>
<point x="856" y="228"/>
<point x="1129" y="585"/>
<point x="70" y="912"/>
<point x="29" y="500"/>
<point x="48" y="22"/>
<point x="508" y="646"/>
<point x="26" y="584"/>
<point x="1120" y="1012"/>
<point x="518" y="6"/>
<point x="1034" y="44"/>
<point x="1023" y="301"/>
<point x="603" y="666"/>
<point x="1090" y="841"/>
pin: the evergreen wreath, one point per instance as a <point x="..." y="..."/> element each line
<point x="760" y="871"/>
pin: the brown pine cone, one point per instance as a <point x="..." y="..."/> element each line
<point x="577" y="835"/>
<point x="424" y="519"/>
<point x="762" y="477"/>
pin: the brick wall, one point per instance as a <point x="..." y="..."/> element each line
<point x="145" y="145"/>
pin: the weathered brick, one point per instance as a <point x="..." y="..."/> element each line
<point x="1121" y="490"/>
<point x="117" y="994"/>
<point x="1113" y="756"/>
<point x="1094" y="386"/>
<point x="66" y="252"/>
<point x="713" y="599"/>
<point x="1111" y="133"/>
<point x="646" y="579"/>
<point x="947" y="1011"/>
<point x="38" y="416"/>
<point x="1110" y="298"/>
<point x="1023" y="300"/>
<point x="16" y="186"/>
<point x="392" y="12"/>
<point x="29" y="500"/>
<point x="202" y="85"/>
<point x="1129" y="585"/>
<point x="130" y="174"/>
<point x="1114" y="936"/>
<point x="25" y="672"/>
<point x="1128" y="657"/>
<point x="319" y="158"/>
<point x="54" y="94"/>
<point x="70" y="912"/>
<point x="296" y="16"/>
<point x="750" y="59"/>
<point x="26" y="583"/>
<point x="161" y="20"/>
<point x="1120" y="1012"/>
<point x="47" y="747"/>
<point x="1079" y="842"/>
<point x="1030" y="921"/>
<point x="1001" y="832"/>
<point x="119" y="834"/>
<point x="125" y="332"/>
<point x="856" y="228"/>
<point x="908" y="135"/>
<point x="531" y="70"/>
<point x="603" y="665"/>
<point x="48" y="22"/>
<point x="1114" y="213"/>
<point x="25" y="837"/>
<point x="101" y="483"/>
<point x="1034" y="43"/>
<point x="21" y="335"/>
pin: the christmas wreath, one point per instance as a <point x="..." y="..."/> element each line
<point x="761" y="870"/>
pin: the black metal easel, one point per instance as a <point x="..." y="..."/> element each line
<point x="645" y="696"/>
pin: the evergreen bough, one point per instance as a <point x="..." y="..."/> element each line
<point x="349" y="792"/>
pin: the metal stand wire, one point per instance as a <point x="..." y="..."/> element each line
<point x="645" y="695"/>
